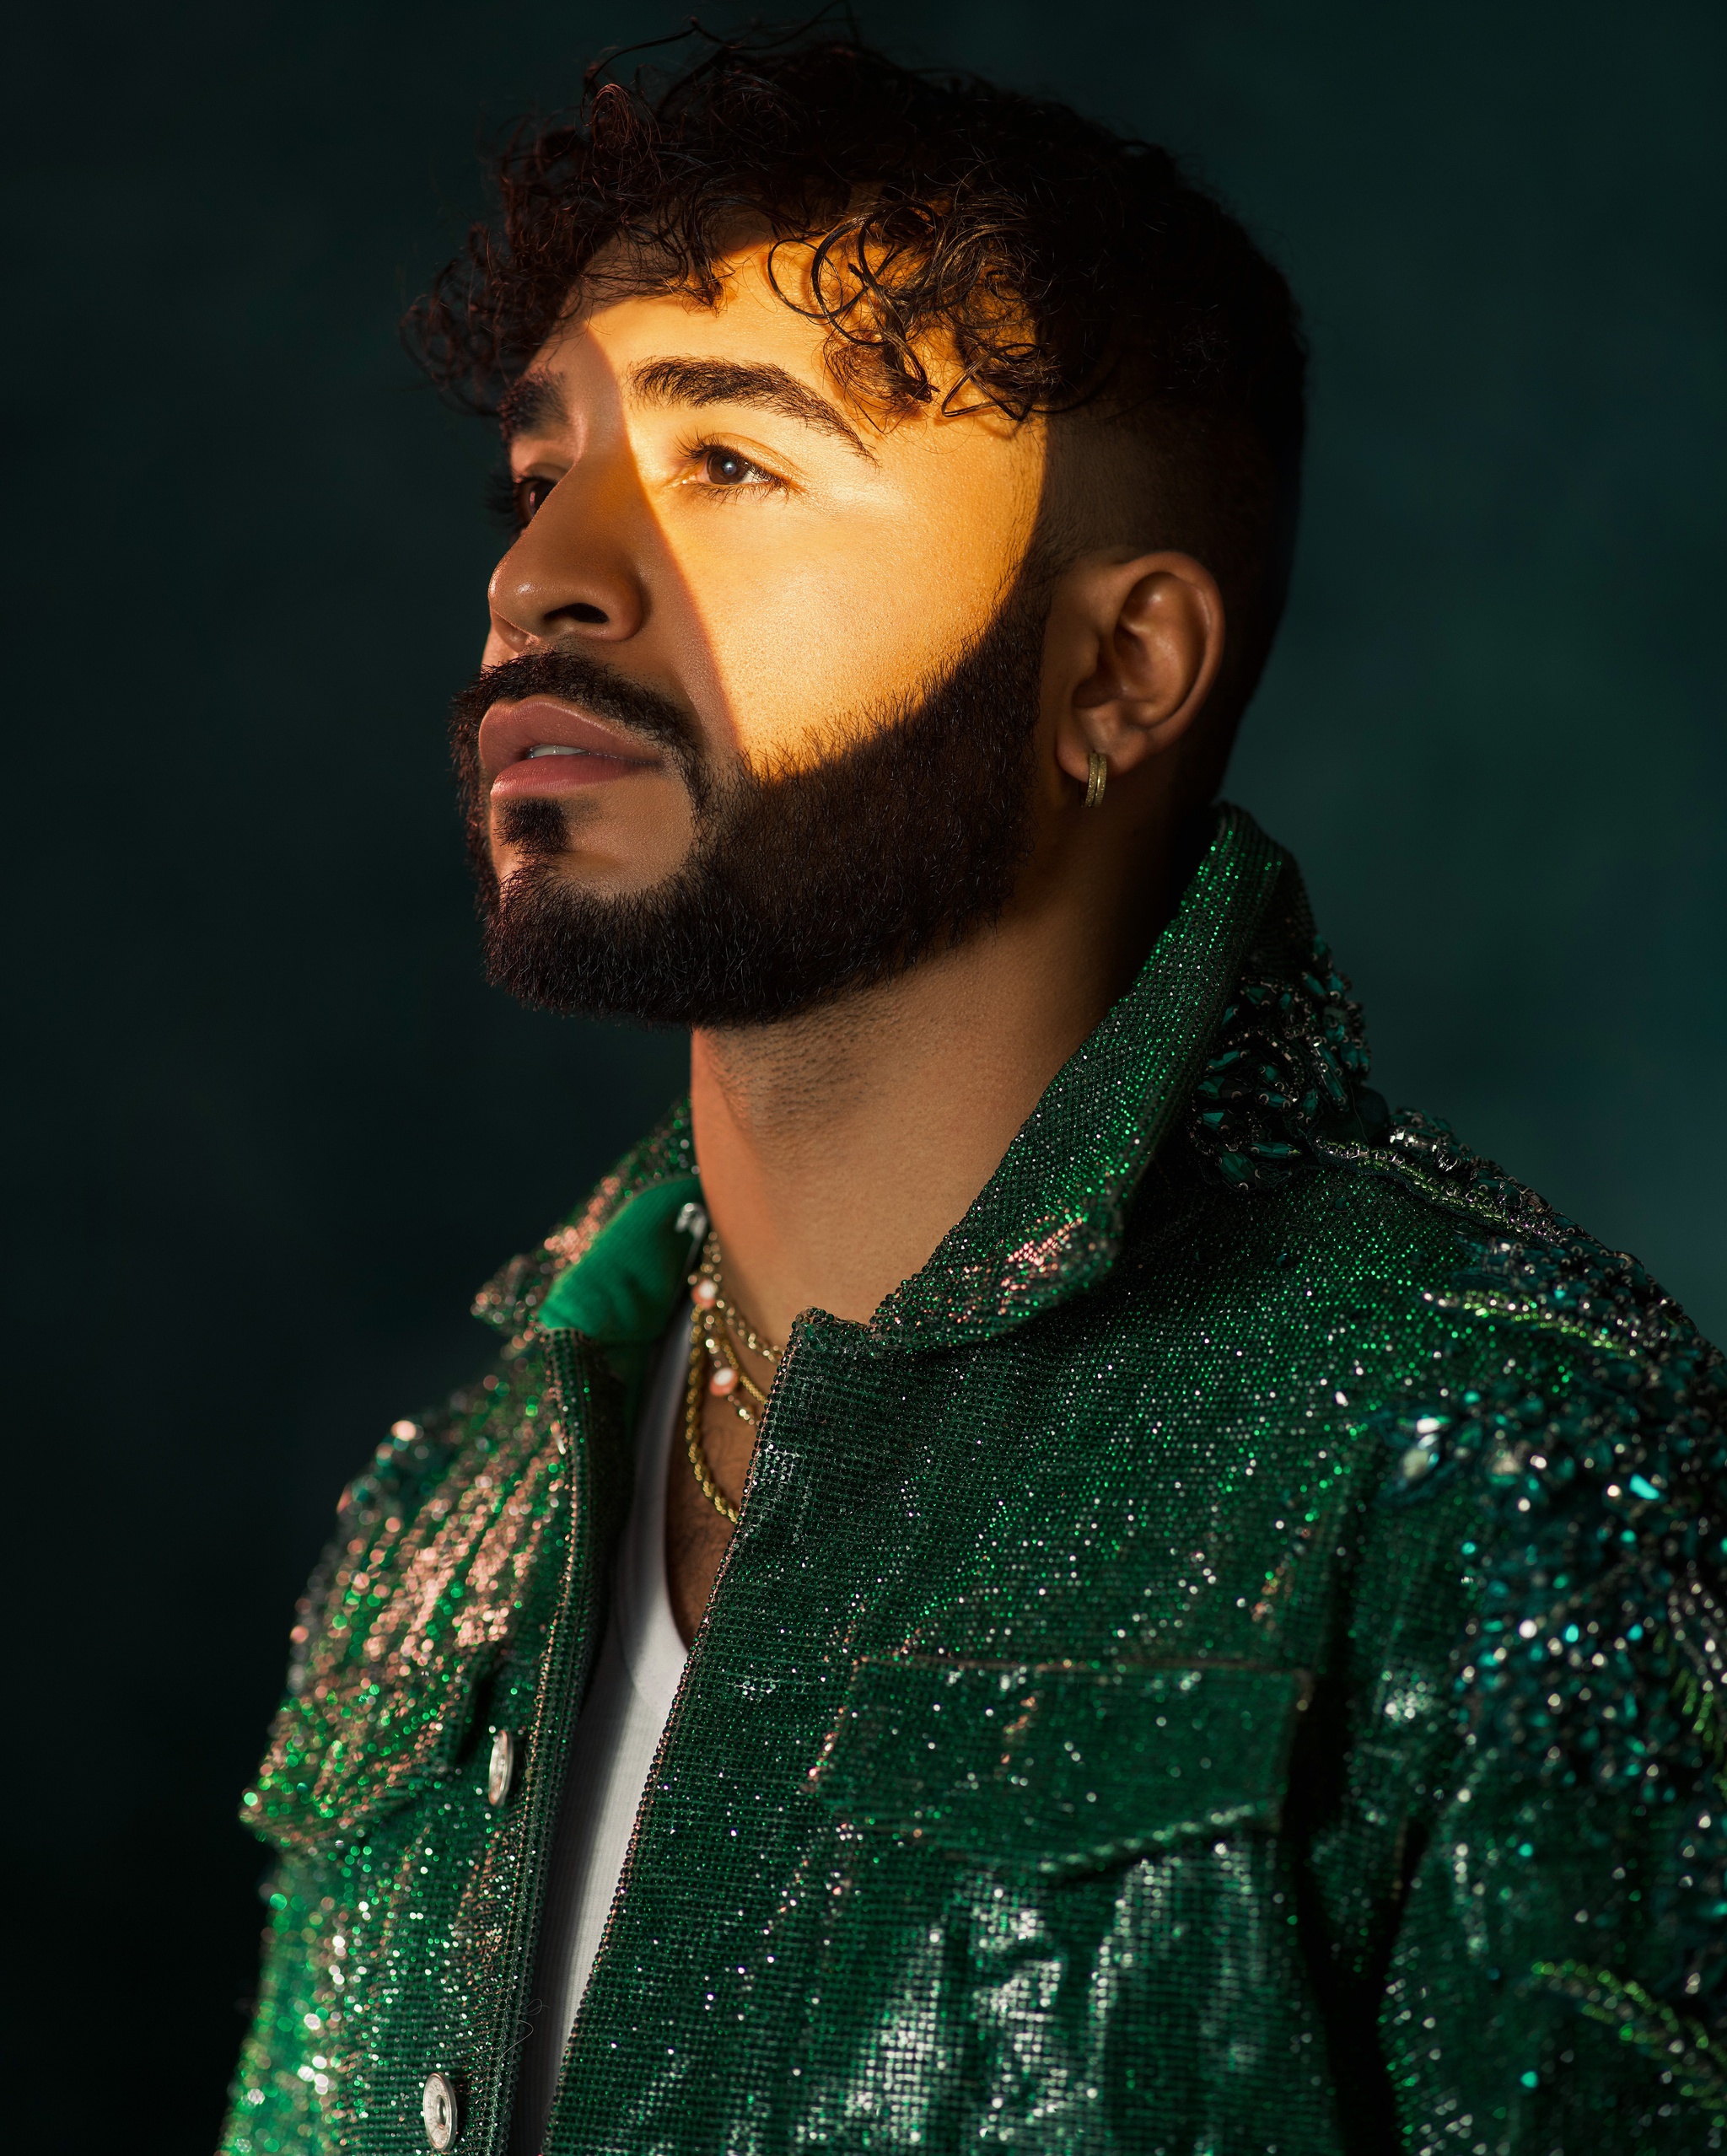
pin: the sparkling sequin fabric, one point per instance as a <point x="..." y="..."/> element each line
<point x="1229" y="1661"/>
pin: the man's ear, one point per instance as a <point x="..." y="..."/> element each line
<point x="1133" y="647"/>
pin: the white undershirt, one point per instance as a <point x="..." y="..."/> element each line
<point x="635" y="1678"/>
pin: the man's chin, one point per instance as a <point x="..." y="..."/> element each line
<point x="584" y="880"/>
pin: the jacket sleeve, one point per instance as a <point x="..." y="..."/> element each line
<point x="1537" y="1997"/>
<point x="1557" y="1974"/>
<point x="277" y="2102"/>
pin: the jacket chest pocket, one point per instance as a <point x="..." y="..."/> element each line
<point x="1058" y="1768"/>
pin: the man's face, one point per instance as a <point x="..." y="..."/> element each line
<point x="712" y="520"/>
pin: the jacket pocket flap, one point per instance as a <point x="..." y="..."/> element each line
<point x="1056" y="1766"/>
<point x="353" y="1751"/>
<point x="410" y="1616"/>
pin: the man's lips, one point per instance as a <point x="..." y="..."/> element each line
<point x="572" y="750"/>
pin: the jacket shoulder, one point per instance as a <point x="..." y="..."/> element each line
<point x="1550" y="1383"/>
<point x="1284" y="1100"/>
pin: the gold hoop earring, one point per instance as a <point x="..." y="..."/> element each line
<point x="1097" y="776"/>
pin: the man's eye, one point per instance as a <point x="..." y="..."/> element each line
<point x="727" y="468"/>
<point x="527" y="497"/>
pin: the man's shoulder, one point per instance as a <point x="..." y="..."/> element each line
<point x="1529" y="1402"/>
<point x="1402" y="1216"/>
<point x="1569" y="1414"/>
<point x="1285" y="1141"/>
<point x="1451" y="1293"/>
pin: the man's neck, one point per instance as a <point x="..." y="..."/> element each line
<point x="836" y="1149"/>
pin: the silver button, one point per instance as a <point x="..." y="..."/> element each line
<point x="437" y="2110"/>
<point x="500" y="1772"/>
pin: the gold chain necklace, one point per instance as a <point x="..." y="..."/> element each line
<point x="717" y="1329"/>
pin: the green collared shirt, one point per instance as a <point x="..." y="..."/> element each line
<point x="1225" y="1660"/>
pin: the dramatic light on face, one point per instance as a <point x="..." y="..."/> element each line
<point x="828" y="876"/>
<point x="707" y="518"/>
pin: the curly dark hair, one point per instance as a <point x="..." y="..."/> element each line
<point x="1063" y="265"/>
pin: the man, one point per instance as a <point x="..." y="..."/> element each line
<point x="1037" y="1570"/>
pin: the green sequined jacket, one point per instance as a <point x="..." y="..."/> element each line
<point x="1226" y="1661"/>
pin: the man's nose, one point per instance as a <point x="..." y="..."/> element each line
<point x="570" y="576"/>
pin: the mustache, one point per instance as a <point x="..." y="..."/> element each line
<point x="599" y="689"/>
<point x="583" y="680"/>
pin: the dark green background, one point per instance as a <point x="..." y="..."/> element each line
<point x="272" y="1130"/>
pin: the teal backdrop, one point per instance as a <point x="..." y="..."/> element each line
<point x="270" y="1128"/>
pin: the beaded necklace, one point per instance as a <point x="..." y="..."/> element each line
<point x="718" y="1331"/>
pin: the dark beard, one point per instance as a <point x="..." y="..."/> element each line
<point x="799" y="886"/>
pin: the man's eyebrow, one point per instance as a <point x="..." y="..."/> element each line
<point x="739" y="381"/>
<point x="533" y="404"/>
